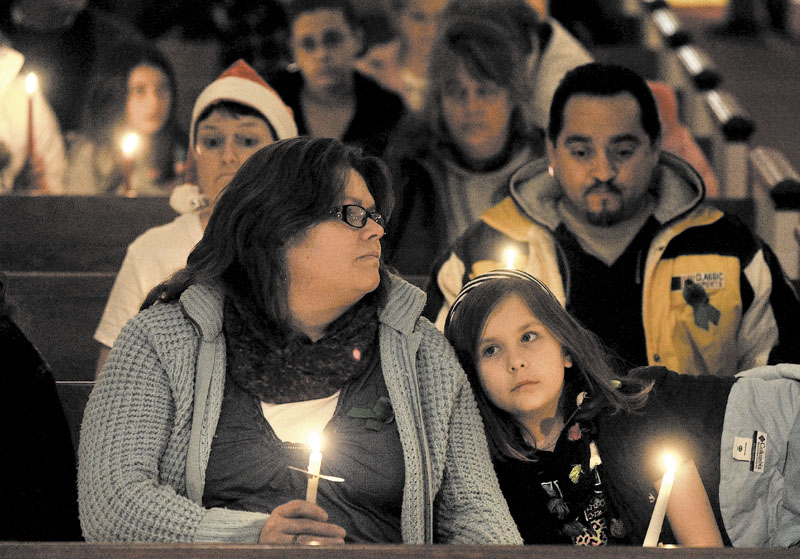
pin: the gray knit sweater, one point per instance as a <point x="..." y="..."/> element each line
<point x="145" y="443"/>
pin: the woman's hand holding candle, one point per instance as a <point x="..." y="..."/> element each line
<point x="300" y="522"/>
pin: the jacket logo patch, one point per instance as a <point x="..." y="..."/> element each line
<point x="704" y="312"/>
<point x="709" y="280"/>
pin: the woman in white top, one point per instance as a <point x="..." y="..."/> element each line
<point x="232" y="118"/>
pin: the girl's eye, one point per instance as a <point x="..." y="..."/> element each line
<point x="488" y="351"/>
<point x="529" y="336"/>
<point x="488" y="89"/>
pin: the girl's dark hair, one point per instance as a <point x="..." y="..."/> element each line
<point x="279" y="193"/>
<point x="296" y="8"/>
<point x="107" y="96"/>
<point x="488" y="54"/>
<point x="593" y="369"/>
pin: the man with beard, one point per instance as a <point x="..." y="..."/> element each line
<point x="620" y="232"/>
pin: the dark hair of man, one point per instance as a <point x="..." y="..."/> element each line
<point x="593" y="369"/>
<point x="488" y="55"/>
<point x="279" y="193"/>
<point x="232" y="109"/>
<point x="296" y="8"/>
<point x="603" y="80"/>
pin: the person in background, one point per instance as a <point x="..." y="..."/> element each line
<point x="62" y="40"/>
<point x="619" y="231"/>
<point x="328" y="96"/>
<point x="133" y="90"/>
<point x="232" y="118"/>
<point x="549" y="49"/>
<point x="284" y="322"/>
<point x="453" y="161"/>
<point x="18" y="173"/>
<point x="743" y="18"/>
<point x="578" y="442"/>
<point x="417" y="21"/>
<point x="37" y="461"/>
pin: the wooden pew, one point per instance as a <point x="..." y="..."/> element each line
<point x="74" y="550"/>
<point x="59" y="312"/>
<point x="73" y="396"/>
<point x="60" y="255"/>
<point x="776" y="197"/>
<point x="73" y="233"/>
<point x="724" y="130"/>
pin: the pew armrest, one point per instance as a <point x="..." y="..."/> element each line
<point x="698" y="67"/>
<point x="772" y="171"/>
<point x="734" y="122"/>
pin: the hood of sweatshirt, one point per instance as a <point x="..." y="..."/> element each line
<point x="677" y="187"/>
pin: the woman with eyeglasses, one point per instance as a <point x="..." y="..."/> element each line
<point x="328" y="96"/>
<point x="285" y="322"/>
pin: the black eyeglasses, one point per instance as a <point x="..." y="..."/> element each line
<point x="356" y="216"/>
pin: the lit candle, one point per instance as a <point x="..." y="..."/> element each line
<point x="129" y="143"/>
<point x="510" y="255"/>
<point x="30" y="88"/>
<point x="314" y="462"/>
<point x="656" y="521"/>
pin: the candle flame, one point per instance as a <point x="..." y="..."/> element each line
<point x="314" y="441"/>
<point x="510" y="255"/>
<point x="30" y="83"/>
<point x="129" y="143"/>
<point x="669" y="460"/>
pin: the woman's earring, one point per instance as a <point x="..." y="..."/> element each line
<point x="293" y="67"/>
<point x="567" y="360"/>
<point x="551" y="171"/>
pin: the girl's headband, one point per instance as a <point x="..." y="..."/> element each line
<point x="494" y="275"/>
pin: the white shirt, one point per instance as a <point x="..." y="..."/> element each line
<point x="152" y="258"/>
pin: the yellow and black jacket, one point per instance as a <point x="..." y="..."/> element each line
<point x="714" y="299"/>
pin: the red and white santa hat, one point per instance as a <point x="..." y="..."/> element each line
<point x="241" y="84"/>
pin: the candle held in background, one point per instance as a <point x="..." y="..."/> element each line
<point x="510" y="255"/>
<point x="129" y="143"/>
<point x="30" y="88"/>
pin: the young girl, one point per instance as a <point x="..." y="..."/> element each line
<point x="133" y="90"/>
<point x="578" y="449"/>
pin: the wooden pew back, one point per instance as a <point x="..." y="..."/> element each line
<point x="73" y="233"/>
<point x="59" y="312"/>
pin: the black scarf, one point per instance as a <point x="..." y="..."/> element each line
<point x="279" y="370"/>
